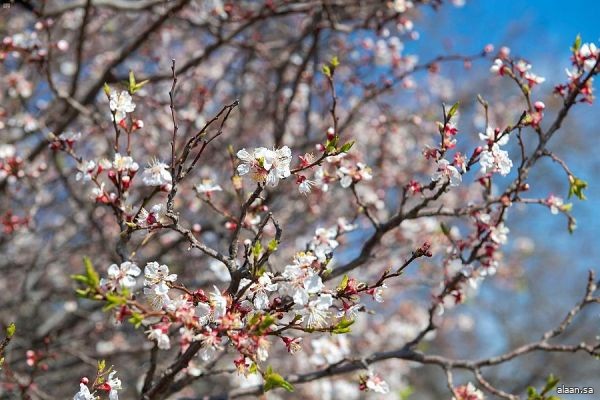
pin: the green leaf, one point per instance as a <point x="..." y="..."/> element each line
<point x="267" y="321"/>
<point x="566" y="207"/>
<point x="106" y="89"/>
<point x="453" y="110"/>
<point x="347" y="146"/>
<point x="131" y="79"/>
<point x="253" y="368"/>
<point x="532" y="393"/>
<point x="133" y="85"/>
<point x="343" y="284"/>
<point x="101" y="366"/>
<point x="343" y="326"/>
<point x="136" y="319"/>
<point x="113" y="300"/>
<point x="257" y="249"/>
<point x="406" y="393"/>
<point x="272" y="246"/>
<point x="576" y="187"/>
<point x="551" y="383"/>
<point x="326" y="70"/>
<point x="82" y="292"/>
<point x="274" y="380"/>
<point x="11" y="329"/>
<point x="93" y="277"/>
<point x="576" y="44"/>
<point x="334" y="61"/>
<point x="80" y="278"/>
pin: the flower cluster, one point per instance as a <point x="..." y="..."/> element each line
<point x="265" y="165"/>
<point x="121" y="276"/>
<point x="493" y="158"/>
<point x="467" y="392"/>
<point x="157" y="174"/>
<point x="121" y="104"/>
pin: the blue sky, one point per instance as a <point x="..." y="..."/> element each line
<point x="540" y="31"/>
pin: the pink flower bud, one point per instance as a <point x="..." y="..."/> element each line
<point x="539" y="105"/>
<point x="84" y="380"/>
<point x="488" y="48"/>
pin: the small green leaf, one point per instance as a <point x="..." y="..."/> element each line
<point x="266" y="323"/>
<point x="136" y="319"/>
<point x="343" y="284"/>
<point x="274" y="380"/>
<point x="576" y="187"/>
<point x="257" y="249"/>
<point x="80" y="278"/>
<point x="106" y="89"/>
<point x="272" y="246"/>
<point x="131" y="79"/>
<point x="576" y="44"/>
<point x="551" y="383"/>
<point x="11" y="329"/>
<point x="566" y="207"/>
<point x="253" y="368"/>
<point x="343" y="326"/>
<point x="82" y="292"/>
<point x="101" y="366"/>
<point x="347" y="146"/>
<point x="93" y="277"/>
<point x="453" y="110"/>
<point x="326" y="70"/>
<point x="406" y="393"/>
<point x="133" y="85"/>
<point x="334" y="61"/>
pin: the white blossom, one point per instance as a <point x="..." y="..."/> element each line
<point x="84" y="393"/>
<point x="114" y="384"/>
<point x="266" y="165"/>
<point x="495" y="160"/>
<point x="208" y="186"/>
<point x="376" y="384"/>
<point x="157" y="174"/>
<point x="121" y="275"/>
<point x="446" y="170"/>
<point x="121" y="104"/>
<point x="162" y="339"/>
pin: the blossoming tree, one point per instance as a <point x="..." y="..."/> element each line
<point x="206" y="199"/>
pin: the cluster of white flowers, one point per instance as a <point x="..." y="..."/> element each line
<point x="266" y="165"/>
<point x="499" y="233"/>
<point x="112" y="385"/>
<point x="156" y="284"/>
<point x="375" y="383"/>
<point x="121" y="104"/>
<point x="357" y="173"/>
<point x="588" y="54"/>
<point x="259" y="291"/>
<point x="157" y="174"/>
<point x="447" y="170"/>
<point x="324" y="242"/>
<point x="125" y="164"/>
<point x="493" y="158"/>
<point x="301" y="279"/>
